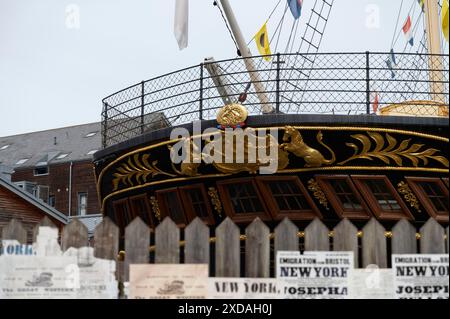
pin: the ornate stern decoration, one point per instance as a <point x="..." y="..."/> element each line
<point x="393" y="151"/>
<point x="155" y="207"/>
<point x="318" y="193"/>
<point x="232" y="116"/>
<point x="214" y="195"/>
<point x="408" y="195"/>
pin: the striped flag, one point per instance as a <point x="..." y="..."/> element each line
<point x="375" y="103"/>
<point x="407" y="31"/>
<point x="296" y="8"/>
<point x="391" y="63"/>
<point x="422" y="4"/>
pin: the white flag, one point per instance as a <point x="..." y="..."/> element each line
<point x="181" y="23"/>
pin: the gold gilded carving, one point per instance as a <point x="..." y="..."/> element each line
<point x="318" y="193"/>
<point x="137" y="170"/>
<point x="155" y="207"/>
<point x="214" y="195"/>
<point x="408" y="195"/>
<point x="252" y="145"/>
<point x="391" y="152"/>
<point x="232" y="115"/>
<point x="295" y="144"/>
<point x="189" y="168"/>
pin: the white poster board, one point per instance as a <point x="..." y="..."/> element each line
<point x="314" y="275"/>
<point x="168" y="281"/>
<point x="421" y="276"/>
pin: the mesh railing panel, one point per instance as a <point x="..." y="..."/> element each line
<point x="345" y="83"/>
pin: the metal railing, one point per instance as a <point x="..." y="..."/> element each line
<point x="336" y="83"/>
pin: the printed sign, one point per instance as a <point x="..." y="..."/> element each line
<point x="421" y="276"/>
<point x="372" y="283"/>
<point x="34" y="277"/>
<point x="43" y="271"/>
<point x="96" y="276"/>
<point x="314" y="275"/>
<point x="164" y="281"/>
<point x="13" y="247"/>
<point x="243" y="288"/>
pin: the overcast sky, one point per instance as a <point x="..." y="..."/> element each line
<point x="54" y="70"/>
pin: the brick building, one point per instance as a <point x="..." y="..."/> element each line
<point x="56" y="167"/>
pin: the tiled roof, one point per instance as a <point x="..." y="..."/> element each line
<point x="44" y="147"/>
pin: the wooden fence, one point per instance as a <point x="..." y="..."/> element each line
<point x="252" y="254"/>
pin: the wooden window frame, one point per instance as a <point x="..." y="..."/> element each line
<point x="189" y="207"/>
<point x="163" y="207"/>
<point x="222" y="187"/>
<point x="147" y="207"/>
<point x="381" y="214"/>
<point x="362" y="214"/>
<point x="423" y="198"/>
<point x="445" y="180"/>
<point x="276" y="213"/>
<point x="120" y="220"/>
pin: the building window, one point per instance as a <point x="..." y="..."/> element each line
<point x="382" y="197"/>
<point x="82" y="204"/>
<point x="91" y="152"/>
<point x="432" y="194"/>
<point x="52" y="200"/>
<point x="343" y="196"/>
<point x="140" y="207"/>
<point x="40" y="170"/>
<point x="196" y="203"/>
<point x="90" y="134"/>
<point x="22" y="161"/>
<point x="242" y="200"/>
<point x="445" y="181"/>
<point x="62" y="156"/>
<point x="287" y="197"/>
<point x="170" y="204"/>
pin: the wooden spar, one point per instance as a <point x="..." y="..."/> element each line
<point x="266" y="107"/>
<point x="435" y="64"/>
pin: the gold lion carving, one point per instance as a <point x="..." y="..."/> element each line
<point x="295" y="144"/>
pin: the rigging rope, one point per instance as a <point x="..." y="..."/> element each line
<point x="228" y="27"/>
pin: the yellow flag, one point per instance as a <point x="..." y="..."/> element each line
<point x="445" y="18"/>
<point x="262" y="42"/>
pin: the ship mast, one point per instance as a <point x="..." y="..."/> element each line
<point x="434" y="47"/>
<point x="266" y="107"/>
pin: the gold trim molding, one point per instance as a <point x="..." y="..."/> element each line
<point x="404" y="189"/>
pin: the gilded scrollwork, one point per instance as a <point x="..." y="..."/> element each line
<point x="136" y="170"/>
<point x="393" y="151"/>
<point x="404" y="189"/>
<point x="155" y="207"/>
<point x="318" y="193"/>
<point x="215" y="199"/>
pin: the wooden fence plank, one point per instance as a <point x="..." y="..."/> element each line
<point x="374" y="247"/>
<point x="197" y="243"/>
<point x="228" y="261"/>
<point x="316" y="236"/>
<point x="106" y="236"/>
<point x="404" y="239"/>
<point x="432" y="238"/>
<point x="75" y="235"/>
<point x="137" y="242"/>
<point x="257" y="250"/>
<point x="14" y="230"/>
<point x="286" y="238"/>
<point x="45" y="222"/>
<point x="167" y="243"/>
<point x="346" y="239"/>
